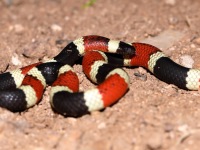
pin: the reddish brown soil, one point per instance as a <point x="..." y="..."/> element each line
<point x="151" y="116"/>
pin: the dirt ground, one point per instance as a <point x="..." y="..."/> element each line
<point x="151" y="116"/>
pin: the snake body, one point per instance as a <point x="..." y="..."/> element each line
<point x="23" y="88"/>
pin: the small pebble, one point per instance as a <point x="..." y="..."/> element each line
<point x="197" y="40"/>
<point x="173" y="20"/>
<point x="192" y="46"/>
<point x="168" y="127"/>
<point x="102" y="125"/>
<point x="8" y="2"/>
<point x="140" y="76"/>
<point x="183" y="128"/>
<point x="170" y="2"/>
<point x="66" y="18"/>
<point x="155" y="141"/>
<point x="56" y="28"/>
<point x="15" y="60"/>
<point x="18" y="28"/>
<point x="187" y="61"/>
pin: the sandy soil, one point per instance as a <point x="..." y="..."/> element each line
<point x="151" y="116"/>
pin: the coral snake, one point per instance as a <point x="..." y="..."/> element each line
<point x="24" y="87"/>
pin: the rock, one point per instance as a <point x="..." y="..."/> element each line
<point x="164" y="40"/>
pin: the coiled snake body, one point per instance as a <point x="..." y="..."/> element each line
<point x="23" y="88"/>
